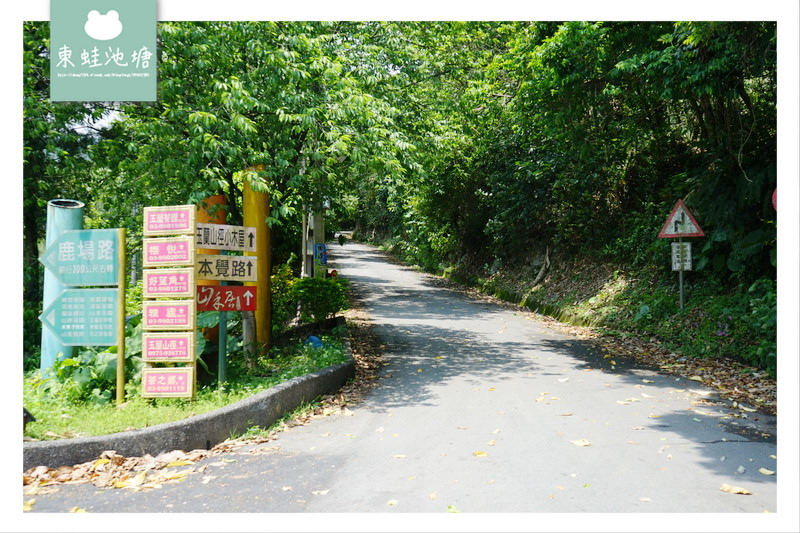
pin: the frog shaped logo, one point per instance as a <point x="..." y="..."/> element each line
<point x="102" y="27"/>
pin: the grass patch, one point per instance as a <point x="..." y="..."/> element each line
<point x="61" y="413"/>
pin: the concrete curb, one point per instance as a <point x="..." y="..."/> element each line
<point x="197" y="432"/>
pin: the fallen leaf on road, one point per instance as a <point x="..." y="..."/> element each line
<point x="645" y="499"/>
<point x="179" y="463"/>
<point x="696" y="378"/>
<point x="433" y="496"/>
<point x="320" y="492"/>
<point x="28" y="505"/>
<point x="391" y="502"/>
<point x="581" y="442"/>
<point x="491" y="443"/>
<point x="648" y="381"/>
<point x="399" y="456"/>
<point x="563" y="380"/>
<point x="77" y="509"/>
<point x="734" y="490"/>
<point x="766" y="472"/>
<point x="206" y="479"/>
<point x="287" y="488"/>
<point x="566" y="414"/>
<point x="452" y="509"/>
<point x="480" y="454"/>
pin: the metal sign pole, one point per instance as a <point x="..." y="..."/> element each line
<point x="680" y="270"/>
<point x="222" y="363"/>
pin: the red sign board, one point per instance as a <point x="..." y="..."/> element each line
<point x="226" y="298"/>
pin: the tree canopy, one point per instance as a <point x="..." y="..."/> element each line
<point x="476" y="140"/>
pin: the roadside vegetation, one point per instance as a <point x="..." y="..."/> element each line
<point x="76" y="399"/>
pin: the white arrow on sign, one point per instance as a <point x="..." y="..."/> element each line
<point x="247" y="296"/>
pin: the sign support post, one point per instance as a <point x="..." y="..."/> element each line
<point x="121" y="316"/>
<point x="222" y="361"/>
<point x="680" y="272"/>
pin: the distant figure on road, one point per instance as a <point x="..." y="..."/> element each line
<point x="341" y="239"/>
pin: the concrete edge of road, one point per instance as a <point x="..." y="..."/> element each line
<point x="200" y="431"/>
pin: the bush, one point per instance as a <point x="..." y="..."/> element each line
<point x="284" y="302"/>
<point x="320" y="298"/>
<point x="763" y="320"/>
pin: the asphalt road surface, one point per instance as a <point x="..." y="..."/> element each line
<point x="482" y="409"/>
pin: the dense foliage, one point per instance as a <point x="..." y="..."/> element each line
<point x="473" y="145"/>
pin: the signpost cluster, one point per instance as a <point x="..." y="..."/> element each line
<point x="172" y="296"/>
<point x="168" y="308"/>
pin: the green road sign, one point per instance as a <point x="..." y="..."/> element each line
<point x="84" y="257"/>
<point x="84" y="317"/>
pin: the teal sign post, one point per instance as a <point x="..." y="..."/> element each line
<point x="84" y="257"/>
<point x="84" y="317"/>
<point x="87" y="316"/>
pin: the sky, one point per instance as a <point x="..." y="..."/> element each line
<point x="787" y="13"/>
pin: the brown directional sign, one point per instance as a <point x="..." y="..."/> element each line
<point x="226" y="267"/>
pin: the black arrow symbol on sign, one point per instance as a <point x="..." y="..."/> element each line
<point x="679" y="224"/>
<point x="249" y="269"/>
<point x="251" y="237"/>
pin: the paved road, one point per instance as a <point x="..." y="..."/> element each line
<point x="482" y="409"/>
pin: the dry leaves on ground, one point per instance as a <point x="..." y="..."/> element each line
<point x="732" y="380"/>
<point x="112" y="470"/>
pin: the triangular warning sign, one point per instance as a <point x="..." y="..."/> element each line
<point x="681" y="223"/>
